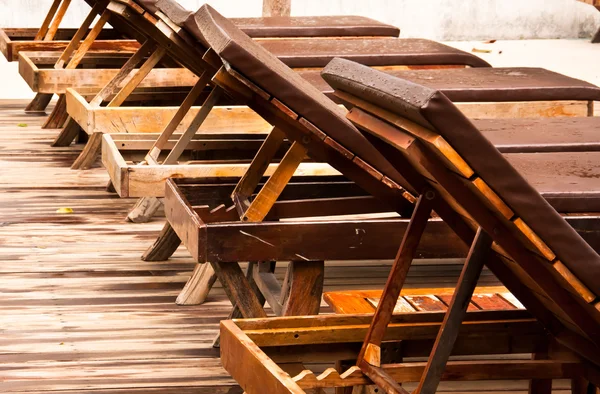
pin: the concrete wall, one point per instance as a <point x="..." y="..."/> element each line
<point x="443" y="20"/>
<point x="436" y="19"/>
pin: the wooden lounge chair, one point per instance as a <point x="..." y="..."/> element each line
<point x="312" y="125"/>
<point x="415" y="53"/>
<point x="474" y="90"/>
<point x="532" y="80"/>
<point x="460" y="175"/>
<point x="306" y="52"/>
<point x="46" y="82"/>
<point x="94" y="78"/>
<point x="309" y="340"/>
<point x="485" y="93"/>
<point x="15" y="41"/>
<point x="49" y="37"/>
<point x="205" y="213"/>
<point x="191" y="226"/>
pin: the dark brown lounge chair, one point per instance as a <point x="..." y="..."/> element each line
<point x="283" y="26"/>
<point x="473" y="187"/>
<point x="312" y="122"/>
<point x="318" y="52"/>
<point x="306" y="53"/>
<point x="319" y="128"/>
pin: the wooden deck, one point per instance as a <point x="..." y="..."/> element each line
<point x="81" y="313"/>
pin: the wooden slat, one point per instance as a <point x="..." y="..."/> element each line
<point x="46" y="23"/>
<point x="58" y="17"/>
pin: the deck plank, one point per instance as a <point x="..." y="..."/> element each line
<point x="81" y="313"/>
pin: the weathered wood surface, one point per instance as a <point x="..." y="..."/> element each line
<point x="82" y="312"/>
<point x="16" y="40"/>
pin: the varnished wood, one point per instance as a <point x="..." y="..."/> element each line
<point x="82" y="49"/>
<point x="260" y="206"/>
<point x="165" y="245"/>
<point x="238" y="289"/>
<point x="136" y="79"/>
<point x="39" y="103"/>
<point x="89" y="154"/>
<point x="123" y="73"/>
<point x="445" y="340"/>
<point x="47" y="20"/>
<point x="59" y="115"/>
<point x="398" y="274"/>
<point x="305" y="289"/>
<point x="69" y="132"/>
<point x="57" y="119"/>
<point x="198" y="286"/>
<point x="58" y="17"/>
<point x="147" y="206"/>
<point x="183" y="109"/>
<point x="260" y="163"/>
<point x="113" y="294"/>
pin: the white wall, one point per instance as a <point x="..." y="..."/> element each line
<point x="436" y="19"/>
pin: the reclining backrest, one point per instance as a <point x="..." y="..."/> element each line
<point x="258" y="65"/>
<point x="430" y="117"/>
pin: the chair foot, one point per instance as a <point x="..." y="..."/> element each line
<point x="68" y="134"/>
<point x="198" y="286"/>
<point x="165" y="245"/>
<point x="305" y="288"/>
<point x="39" y="104"/>
<point x="144" y="210"/>
<point x="89" y="154"/>
<point x="59" y="115"/>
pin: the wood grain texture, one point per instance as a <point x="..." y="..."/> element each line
<point x="81" y="313"/>
<point x="47" y="20"/>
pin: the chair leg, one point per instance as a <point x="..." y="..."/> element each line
<point x="46" y="24"/>
<point x="397" y="276"/>
<point x="110" y="187"/>
<point x="165" y="245"/>
<point x="39" y="104"/>
<point x="198" y="286"/>
<point x="457" y="310"/>
<point x="540" y="386"/>
<point x="235" y="312"/>
<point x="68" y="134"/>
<point x="58" y="116"/>
<point x="239" y="289"/>
<point x="144" y="209"/>
<point x="580" y="385"/>
<point x="89" y="154"/>
<point x="305" y="288"/>
<point x="370" y="353"/>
